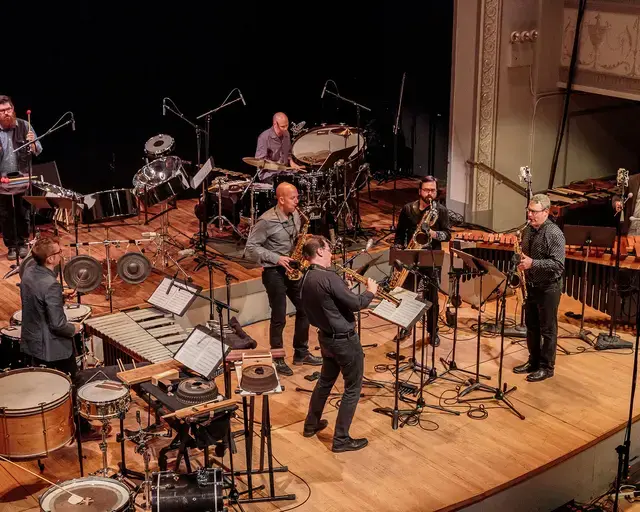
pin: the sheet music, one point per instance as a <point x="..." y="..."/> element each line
<point x="404" y="315"/>
<point x="201" y="352"/>
<point x="179" y="298"/>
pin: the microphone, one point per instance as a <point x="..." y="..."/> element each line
<point x="242" y="98"/>
<point x="399" y="265"/>
<point x="164" y="107"/>
<point x="324" y="90"/>
<point x="173" y="280"/>
<point x="73" y="123"/>
<point x="186" y="252"/>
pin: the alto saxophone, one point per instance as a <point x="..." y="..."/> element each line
<point x="518" y="280"/>
<point x="419" y="239"/>
<point x="296" y="274"/>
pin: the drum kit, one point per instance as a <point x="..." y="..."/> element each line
<point x="324" y="184"/>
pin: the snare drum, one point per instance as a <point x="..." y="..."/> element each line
<point x="36" y="412"/>
<point x="10" y="355"/>
<point x="76" y="312"/>
<point x="105" y="494"/>
<point x="103" y="399"/>
<point x="263" y="197"/>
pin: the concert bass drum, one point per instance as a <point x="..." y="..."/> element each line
<point x="313" y="146"/>
<point x="109" y="205"/>
<point x="36" y="413"/>
<point x="200" y="491"/>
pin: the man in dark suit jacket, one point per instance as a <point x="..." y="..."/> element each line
<point x="47" y="336"/>
<point x="631" y="207"/>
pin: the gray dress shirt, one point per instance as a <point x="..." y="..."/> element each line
<point x="273" y="148"/>
<point x="9" y="159"/>
<point x="274" y="235"/>
<point x="46" y="333"/>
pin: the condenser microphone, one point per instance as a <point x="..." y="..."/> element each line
<point x="73" y="123"/>
<point x="164" y="107"/>
<point x="324" y="89"/>
<point x="172" y="282"/>
<point x="242" y="98"/>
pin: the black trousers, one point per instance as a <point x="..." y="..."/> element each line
<point x="430" y="293"/>
<point x="338" y="356"/>
<point x="14" y="207"/>
<point x="541" y="317"/>
<point x="278" y="288"/>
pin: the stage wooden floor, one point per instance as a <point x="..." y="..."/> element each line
<point x="183" y="225"/>
<point x="441" y="462"/>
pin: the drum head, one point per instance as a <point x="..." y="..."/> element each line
<point x="99" y="391"/>
<point x="133" y="267"/>
<point x="315" y="145"/>
<point x="75" y="312"/>
<point x="157" y="172"/>
<point x="159" y="145"/>
<point x="27" y="388"/>
<point x="14" y="332"/>
<point x="83" y="273"/>
<point x="105" y="495"/>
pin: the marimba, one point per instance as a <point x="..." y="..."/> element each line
<point x="142" y="335"/>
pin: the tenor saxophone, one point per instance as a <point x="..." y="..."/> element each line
<point x="296" y="274"/>
<point x="419" y="239"/>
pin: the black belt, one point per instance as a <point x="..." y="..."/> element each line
<point x="339" y="335"/>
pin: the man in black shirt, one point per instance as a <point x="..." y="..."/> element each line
<point x="330" y="306"/>
<point x="411" y="216"/>
<point x="543" y="254"/>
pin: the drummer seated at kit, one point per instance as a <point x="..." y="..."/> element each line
<point x="274" y="144"/>
<point x="47" y="335"/>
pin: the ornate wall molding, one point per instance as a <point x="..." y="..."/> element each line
<point x="486" y="103"/>
<point x="609" y="48"/>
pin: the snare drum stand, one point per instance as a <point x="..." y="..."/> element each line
<point x="221" y="218"/>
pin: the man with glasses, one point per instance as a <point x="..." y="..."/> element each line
<point x="411" y="215"/>
<point x="14" y="133"/>
<point x="274" y="144"/>
<point x="543" y="254"/>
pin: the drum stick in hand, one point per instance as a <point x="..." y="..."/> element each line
<point x="74" y="499"/>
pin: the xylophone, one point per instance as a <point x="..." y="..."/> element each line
<point x="142" y="335"/>
<point x="600" y="292"/>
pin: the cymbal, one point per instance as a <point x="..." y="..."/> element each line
<point x="263" y="163"/>
<point x="229" y="173"/>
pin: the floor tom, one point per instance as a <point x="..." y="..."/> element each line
<point x="201" y="491"/>
<point x="10" y="354"/>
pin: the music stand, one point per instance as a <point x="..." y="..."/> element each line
<point x="587" y="236"/>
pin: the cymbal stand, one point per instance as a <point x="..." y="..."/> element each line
<point x="141" y="438"/>
<point x="162" y="251"/>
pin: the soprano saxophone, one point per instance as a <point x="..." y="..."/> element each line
<point x="518" y="280"/>
<point x="296" y="274"/>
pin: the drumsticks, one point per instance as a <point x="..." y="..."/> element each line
<point x="74" y="499"/>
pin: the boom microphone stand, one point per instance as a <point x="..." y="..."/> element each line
<point x="395" y="154"/>
<point x="356" y="225"/>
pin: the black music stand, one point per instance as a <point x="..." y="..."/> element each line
<point x="587" y="236"/>
<point x="480" y="268"/>
<point x="500" y="392"/>
<point x="457" y="273"/>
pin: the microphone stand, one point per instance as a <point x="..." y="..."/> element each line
<point x="356" y="224"/>
<point x="32" y="220"/>
<point x="395" y="154"/>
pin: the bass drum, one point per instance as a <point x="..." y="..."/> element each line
<point x="105" y="494"/>
<point x="313" y="146"/>
<point x="201" y="491"/>
<point x="109" y="205"/>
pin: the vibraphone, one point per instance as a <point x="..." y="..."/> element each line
<point x="143" y="335"/>
<point x="600" y="294"/>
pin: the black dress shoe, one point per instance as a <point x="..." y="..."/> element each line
<point x="310" y="432"/>
<point x="525" y="368"/>
<point x="309" y="359"/>
<point x="350" y="446"/>
<point x="283" y="368"/>
<point x="541" y="374"/>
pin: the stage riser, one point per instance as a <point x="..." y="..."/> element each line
<point x="582" y="477"/>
